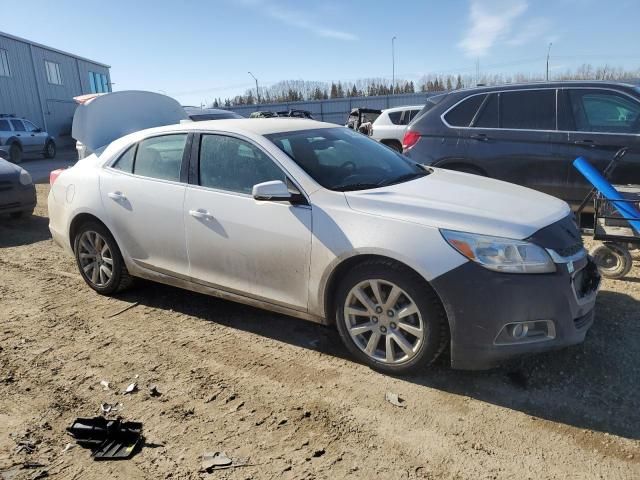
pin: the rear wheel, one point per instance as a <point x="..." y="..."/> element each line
<point x="15" y="153"/>
<point x="613" y="260"/>
<point x="390" y="318"/>
<point x="99" y="259"/>
<point x="50" y="149"/>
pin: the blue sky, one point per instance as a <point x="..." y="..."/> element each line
<point x="196" y="50"/>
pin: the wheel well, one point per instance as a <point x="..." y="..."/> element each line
<point x="341" y="270"/>
<point x="391" y="141"/>
<point x="80" y="220"/>
<point x="462" y="166"/>
<point x="13" y="140"/>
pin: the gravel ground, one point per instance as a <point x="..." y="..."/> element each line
<point x="283" y="396"/>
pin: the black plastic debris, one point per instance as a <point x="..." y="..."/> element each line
<point x="107" y="439"/>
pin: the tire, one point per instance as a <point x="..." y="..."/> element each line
<point x="84" y="247"/>
<point x="378" y="331"/>
<point x="22" y="214"/>
<point x="613" y="260"/>
<point x="15" y="153"/>
<point x="50" y="149"/>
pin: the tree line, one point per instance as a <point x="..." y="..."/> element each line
<point x="303" y="90"/>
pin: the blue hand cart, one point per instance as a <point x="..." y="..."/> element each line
<point x="616" y="221"/>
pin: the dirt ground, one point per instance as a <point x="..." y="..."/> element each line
<point x="282" y="394"/>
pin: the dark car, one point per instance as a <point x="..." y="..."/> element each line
<point x="17" y="192"/>
<point x="198" y="114"/>
<point x="296" y="114"/>
<point x="529" y="134"/>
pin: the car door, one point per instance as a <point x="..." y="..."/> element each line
<point x="599" y="123"/>
<point x="511" y="138"/>
<point x="143" y="196"/>
<point x="258" y="249"/>
<point x="35" y="135"/>
<point x="21" y="133"/>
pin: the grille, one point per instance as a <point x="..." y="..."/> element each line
<point x="5" y="186"/>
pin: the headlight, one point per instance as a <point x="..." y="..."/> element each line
<point x="501" y="254"/>
<point x="25" y="177"/>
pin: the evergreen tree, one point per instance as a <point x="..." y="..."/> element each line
<point x="459" y="83"/>
<point x="340" y="91"/>
<point x="334" y="90"/>
<point x="449" y="86"/>
<point x="354" y="91"/>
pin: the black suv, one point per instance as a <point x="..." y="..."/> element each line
<point x="530" y="134"/>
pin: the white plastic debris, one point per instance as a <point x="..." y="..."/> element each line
<point x="394" y="399"/>
<point x="105" y="384"/>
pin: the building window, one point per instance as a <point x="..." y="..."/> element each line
<point x="4" y="64"/>
<point x="53" y="72"/>
<point x="98" y="83"/>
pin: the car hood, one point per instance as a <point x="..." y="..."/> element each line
<point x="102" y="118"/>
<point x="463" y="202"/>
<point x="8" y="169"/>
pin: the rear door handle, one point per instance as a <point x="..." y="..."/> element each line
<point x="118" y="196"/>
<point x="200" y="213"/>
<point x="480" y="137"/>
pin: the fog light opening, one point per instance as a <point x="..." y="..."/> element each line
<point x="525" y="332"/>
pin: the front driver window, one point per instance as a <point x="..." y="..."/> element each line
<point x="602" y="111"/>
<point x="228" y="163"/>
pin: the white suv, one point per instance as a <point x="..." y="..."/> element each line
<point x="390" y="126"/>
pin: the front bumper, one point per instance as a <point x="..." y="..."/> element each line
<point x="17" y="198"/>
<point x="480" y="302"/>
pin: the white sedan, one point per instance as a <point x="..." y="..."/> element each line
<point x="322" y="223"/>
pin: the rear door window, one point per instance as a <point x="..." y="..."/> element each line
<point x="488" y="116"/>
<point x="4" y="126"/>
<point x="17" y="125"/>
<point x="604" y="111"/>
<point x="462" y="114"/>
<point x="528" y="110"/>
<point x="160" y="157"/>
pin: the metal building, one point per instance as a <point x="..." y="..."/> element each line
<point x="39" y="83"/>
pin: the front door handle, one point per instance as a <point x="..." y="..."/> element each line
<point x="585" y="143"/>
<point x="118" y="196"/>
<point x="201" y="214"/>
<point x="480" y="137"/>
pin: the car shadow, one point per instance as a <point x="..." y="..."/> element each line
<point x="590" y="386"/>
<point x="23" y="231"/>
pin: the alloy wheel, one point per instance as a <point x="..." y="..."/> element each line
<point x="96" y="258"/>
<point x="384" y="321"/>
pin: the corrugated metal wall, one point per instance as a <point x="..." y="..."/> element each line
<point x="28" y="93"/>
<point x="337" y="110"/>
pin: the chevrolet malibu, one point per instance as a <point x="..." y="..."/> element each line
<point x="322" y="223"/>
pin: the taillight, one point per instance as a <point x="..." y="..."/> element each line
<point x="53" y="176"/>
<point x="410" y="139"/>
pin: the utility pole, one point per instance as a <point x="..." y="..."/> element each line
<point x="477" y="70"/>
<point x="393" y="65"/>
<point x="257" y="90"/>
<point x="548" y="53"/>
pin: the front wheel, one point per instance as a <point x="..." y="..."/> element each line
<point x="99" y="259"/>
<point x="15" y="153"/>
<point x="390" y="318"/>
<point x="613" y="260"/>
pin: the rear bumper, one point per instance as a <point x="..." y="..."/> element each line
<point x="18" y="199"/>
<point x="481" y="302"/>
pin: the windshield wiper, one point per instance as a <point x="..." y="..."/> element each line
<point x="405" y="178"/>
<point x="355" y="186"/>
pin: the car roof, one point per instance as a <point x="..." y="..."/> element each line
<point x="542" y="84"/>
<point x="258" y="126"/>
<point x="400" y="109"/>
<point x="203" y="111"/>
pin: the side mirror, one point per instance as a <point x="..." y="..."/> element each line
<point x="38" y="130"/>
<point x="275" y="191"/>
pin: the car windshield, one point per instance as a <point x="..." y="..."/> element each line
<point x="343" y="160"/>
